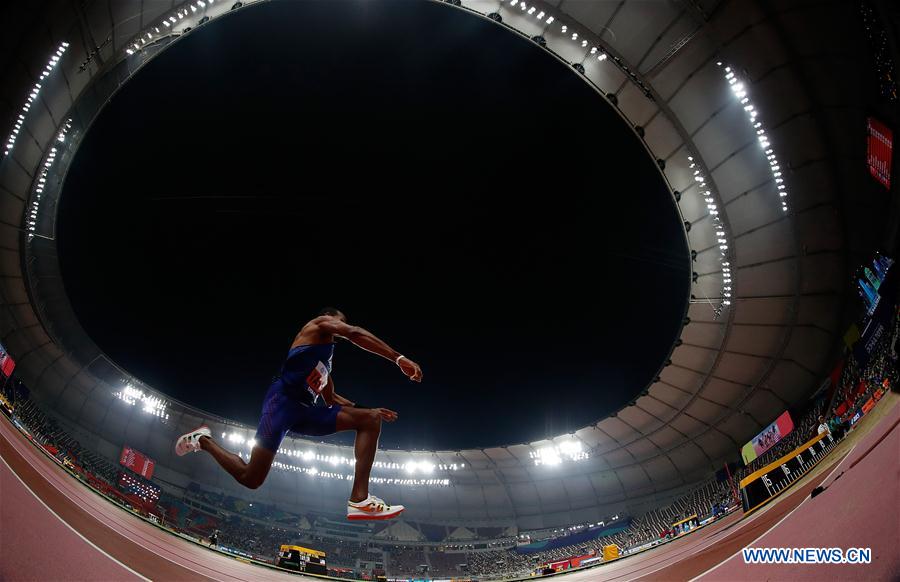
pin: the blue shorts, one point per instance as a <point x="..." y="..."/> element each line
<point x="281" y="413"/>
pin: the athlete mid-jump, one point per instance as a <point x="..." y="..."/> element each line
<point x="290" y="404"/>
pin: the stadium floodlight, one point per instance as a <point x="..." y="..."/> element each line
<point x="570" y="447"/>
<point x="602" y="57"/>
<point x="51" y="64"/>
<point x="740" y="91"/>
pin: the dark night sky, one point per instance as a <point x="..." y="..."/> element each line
<point x="449" y="185"/>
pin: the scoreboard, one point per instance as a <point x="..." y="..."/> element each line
<point x="137" y="462"/>
<point x="766" y="483"/>
<point x="879" y="152"/>
<point x="7" y="364"/>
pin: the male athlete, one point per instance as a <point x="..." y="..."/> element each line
<point x="290" y="405"/>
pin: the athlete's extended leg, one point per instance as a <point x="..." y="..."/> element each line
<point x="250" y="474"/>
<point x="367" y="424"/>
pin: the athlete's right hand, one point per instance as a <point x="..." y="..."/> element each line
<point x="411" y="369"/>
<point x="386" y="414"/>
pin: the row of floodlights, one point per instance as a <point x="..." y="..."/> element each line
<point x="167" y="23"/>
<point x="33" y="95"/>
<point x="315" y="472"/>
<point x="530" y="10"/>
<point x="555" y="454"/>
<point x="739" y="89"/>
<point x="721" y="236"/>
<point x="31" y="218"/>
<point x="149" y="403"/>
<point x="309" y="456"/>
<point x="548" y="455"/>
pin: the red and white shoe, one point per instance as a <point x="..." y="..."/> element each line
<point x="190" y="442"/>
<point x="372" y="508"/>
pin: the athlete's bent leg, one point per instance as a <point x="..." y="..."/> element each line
<point x="367" y="424"/>
<point x="250" y="474"/>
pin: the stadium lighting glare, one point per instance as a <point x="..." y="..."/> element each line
<point x="739" y="88"/>
<point x="555" y="455"/>
<point x="150" y="404"/>
<point x="570" y="447"/>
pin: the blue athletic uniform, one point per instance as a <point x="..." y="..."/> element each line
<point x="290" y="402"/>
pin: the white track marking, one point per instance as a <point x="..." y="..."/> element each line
<point x="106" y="522"/>
<point x="65" y="523"/>
<point x="737" y="553"/>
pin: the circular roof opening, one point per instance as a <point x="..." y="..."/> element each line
<point x="450" y="185"/>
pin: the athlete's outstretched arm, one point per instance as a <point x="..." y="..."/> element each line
<point x="371" y="343"/>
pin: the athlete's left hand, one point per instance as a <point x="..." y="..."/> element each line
<point x="410" y="369"/>
<point x="386" y="414"/>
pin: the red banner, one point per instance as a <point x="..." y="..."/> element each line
<point x="880" y="151"/>
<point x="6" y="362"/>
<point x="868" y="405"/>
<point x="137" y="462"/>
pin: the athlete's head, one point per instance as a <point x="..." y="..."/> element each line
<point x="333" y="312"/>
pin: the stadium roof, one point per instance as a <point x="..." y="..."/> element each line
<point x="754" y="113"/>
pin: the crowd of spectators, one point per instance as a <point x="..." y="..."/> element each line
<point x="404" y="560"/>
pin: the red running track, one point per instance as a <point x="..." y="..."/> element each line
<point x="53" y="527"/>
<point x="73" y="533"/>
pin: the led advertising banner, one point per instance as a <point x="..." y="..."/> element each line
<point x="880" y="151"/>
<point x="774" y="478"/>
<point x="6" y="362"/>
<point x="767" y="439"/>
<point x="137" y="462"/>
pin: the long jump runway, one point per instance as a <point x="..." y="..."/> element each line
<point x="52" y="527"/>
